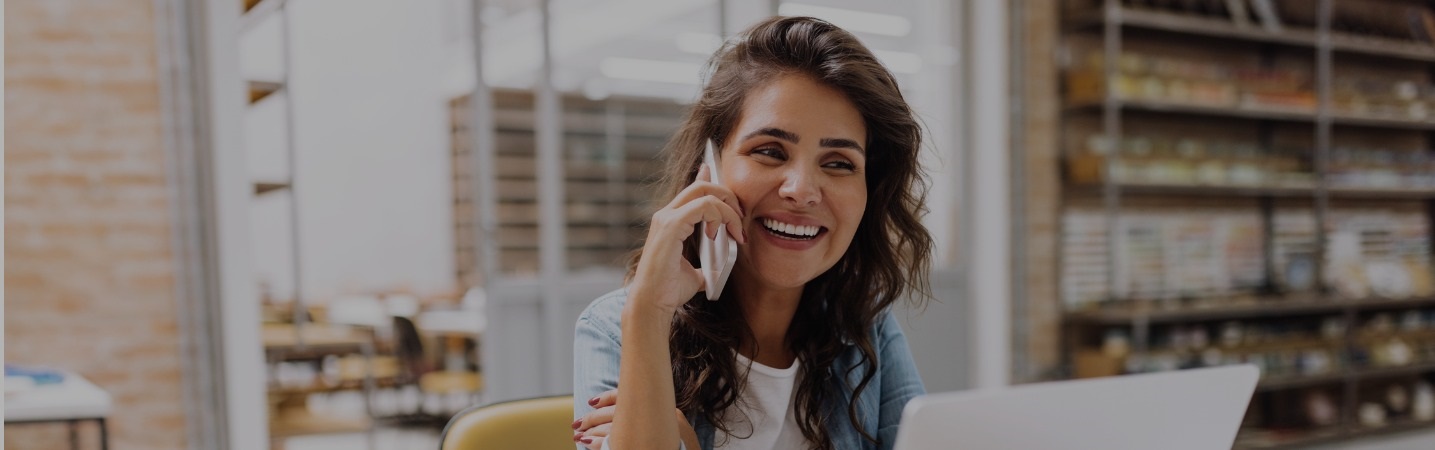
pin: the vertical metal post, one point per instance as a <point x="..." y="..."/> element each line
<point x="722" y="8"/>
<point x="616" y="137"/>
<point x="481" y="159"/>
<point x="551" y="221"/>
<point x="1016" y="135"/>
<point x="1111" y="188"/>
<point x="291" y="153"/>
<point x="1322" y="136"/>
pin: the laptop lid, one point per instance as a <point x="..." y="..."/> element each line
<point x="1197" y="409"/>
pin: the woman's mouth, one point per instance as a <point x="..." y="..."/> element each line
<point x="792" y="232"/>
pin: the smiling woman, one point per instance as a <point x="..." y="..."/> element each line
<point x="822" y="191"/>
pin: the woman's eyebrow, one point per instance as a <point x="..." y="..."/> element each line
<point x="841" y="143"/>
<point x="774" y="132"/>
<point x="794" y="138"/>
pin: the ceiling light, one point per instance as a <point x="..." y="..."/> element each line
<point x="860" y="21"/>
<point x="651" y="70"/>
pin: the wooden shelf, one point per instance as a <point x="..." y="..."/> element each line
<point x="1245" y="112"/>
<point x="255" y="11"/>
<point x="259" y="90"/>
<point x="1150" y="189"/>
<point x="1298" y="381"/>
<point x="1298" y="439"/>
<point x="1394" y="371"/>
<point x="1339" y="118"/>
<point x="1239" y="309"/>
<point x="265" y="187"/>
<point x="1197" y="190"/>
<point x="1227" y="29"/>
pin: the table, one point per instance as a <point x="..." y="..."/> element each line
<point x="73" y="400"/>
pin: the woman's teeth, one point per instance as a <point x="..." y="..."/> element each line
<point x="795" y="231"/>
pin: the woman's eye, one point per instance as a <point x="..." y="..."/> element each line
<point x="841" y="165"/>
<point x="771" y="152"/>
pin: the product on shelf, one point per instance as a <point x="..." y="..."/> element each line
<point x="1379" y="253"/>
<point x="1423" y="404"/>
<point x="1162" y="255"/>
<point x="1188" y="161"/>
<point x="1320" y="408"/>
<point x="1163" y="79"/>
<point x="1372" y="415"/>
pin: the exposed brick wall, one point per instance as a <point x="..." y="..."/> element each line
<point x="89" y="273"/>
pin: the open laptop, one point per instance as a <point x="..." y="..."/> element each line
<point x="1197" y="409"/>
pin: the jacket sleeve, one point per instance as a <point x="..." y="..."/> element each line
<point x="900" y="381"/>
<point x="596" y="348"/>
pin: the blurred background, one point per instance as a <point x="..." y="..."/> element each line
<point x="314" y="224"/>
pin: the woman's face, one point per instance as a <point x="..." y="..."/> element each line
<point x="797" y="164"/>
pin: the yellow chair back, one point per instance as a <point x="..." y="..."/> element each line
<point x="538" y="423"/>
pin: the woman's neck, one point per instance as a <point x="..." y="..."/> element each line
<point x="769" y="313"/>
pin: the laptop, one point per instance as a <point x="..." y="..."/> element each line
<point x="1199" y="409"/>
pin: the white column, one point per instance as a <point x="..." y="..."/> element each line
<point x="990" y="209"/>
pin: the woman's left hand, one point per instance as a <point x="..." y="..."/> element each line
<point x="594" y="427"/>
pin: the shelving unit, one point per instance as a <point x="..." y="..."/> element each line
<point x="1289" y="96"/>
<point x="299" y="340"/>
<point x="610" y="157"/>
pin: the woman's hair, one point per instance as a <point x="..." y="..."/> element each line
<point x="887" y="260"/>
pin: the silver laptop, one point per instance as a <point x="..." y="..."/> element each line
<point x="1197" y="409"/>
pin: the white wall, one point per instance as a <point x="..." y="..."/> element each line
<point x="371" y="131"/>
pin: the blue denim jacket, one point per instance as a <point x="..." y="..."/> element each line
<point x="598" y="340"/>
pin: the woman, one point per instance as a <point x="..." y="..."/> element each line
<point x="821" y="189"/>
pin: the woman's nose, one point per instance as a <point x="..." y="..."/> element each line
<point x="801" y="187"/>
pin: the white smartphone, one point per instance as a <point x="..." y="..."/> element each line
<point x="718" y="255"/>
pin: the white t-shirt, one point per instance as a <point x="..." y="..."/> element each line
<point x="768" y="406"/>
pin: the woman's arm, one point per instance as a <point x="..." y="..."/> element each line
<point x="662" y="282"/>
<point x="596" y="352"/>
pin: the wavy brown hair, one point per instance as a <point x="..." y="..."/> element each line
<point x="889" y="256"/>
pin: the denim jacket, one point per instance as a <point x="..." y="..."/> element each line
<point x="598" y="340"/>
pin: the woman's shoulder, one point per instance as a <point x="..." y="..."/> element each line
<point x="605" y="311"/>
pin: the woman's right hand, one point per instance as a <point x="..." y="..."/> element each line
<point x="664" y="278"/>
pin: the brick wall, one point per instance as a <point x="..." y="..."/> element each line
<point x="89" y="273"/>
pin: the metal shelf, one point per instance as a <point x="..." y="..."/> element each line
<point x="1240" y="309"/>
<point x="259" y="90"/>
<point x="1244" y="112"/>
<point x="1151" y="189"/>
<point x="1298" y="381"/>
<point x="1225" y="28"/>
<point x="265" y="187"/>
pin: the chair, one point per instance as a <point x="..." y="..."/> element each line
<point x="537" y="423"/>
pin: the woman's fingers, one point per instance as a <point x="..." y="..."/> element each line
<point x="607" y="398"/>
<point x="597" y="417"/>
<point x="592" y="443"/>
<point x="599" y="431"/>
<point x="703" y="187"/>
<point x="712" y="211"/>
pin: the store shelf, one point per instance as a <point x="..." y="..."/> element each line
<point x="265" y="187"/>
<point x="256" y="11"/>
<point x="1367" y="45"/>
<point x="1298" y="381"/>
<point x="259" y="90"/>
<point x="1268" y="439"/>
<point x="1217" y="309"/>
<point x="1245" y="112"/>
<point x="1382" y="122"/>
<point x="1252" y="112"/>
<point x="1196" y="190"/>
<point x="1152" y="189"/>
<point x="1227" y="29"/>
<point x="1382" y="372"/>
